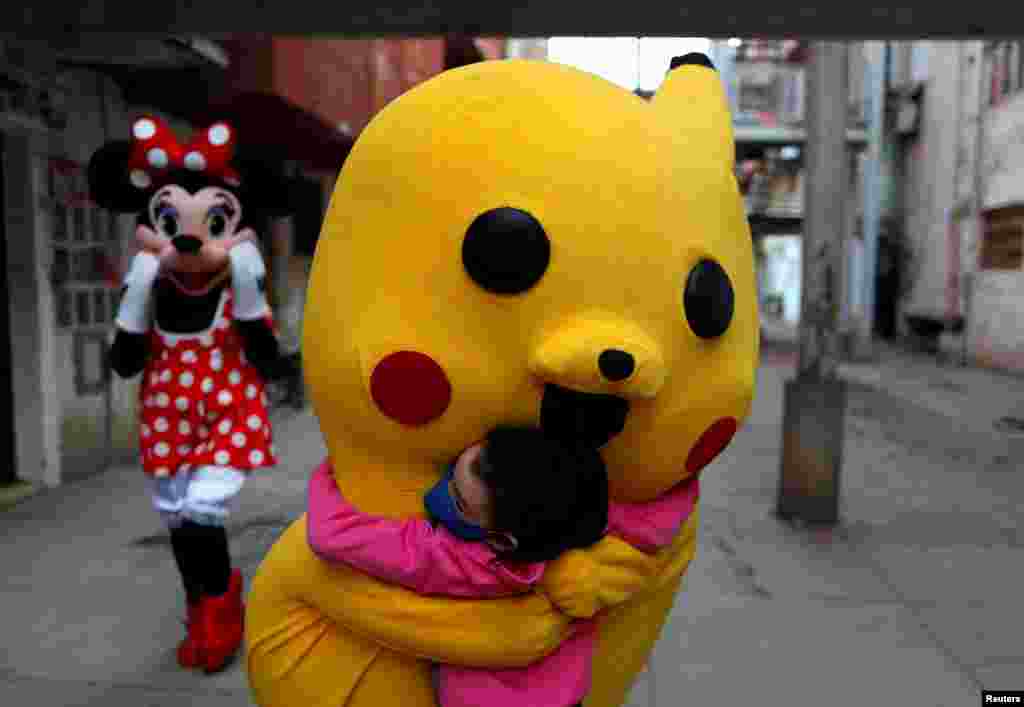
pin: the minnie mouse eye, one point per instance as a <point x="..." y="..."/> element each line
<point x="217" y="221"/>
<point x="167" y="221"/>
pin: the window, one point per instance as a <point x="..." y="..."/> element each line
<point x="759" y="88"/>
<point x="1002" y="244"/>
<point x="86" y="246"/>
<point x="1005" y="64"/>
<point x="792" y="109"/>
<point x="758" y="98"/>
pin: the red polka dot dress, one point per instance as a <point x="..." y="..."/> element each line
<point x="202" y="402"/>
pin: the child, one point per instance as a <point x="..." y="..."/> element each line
<point x="194" y="320"/>
<point x="505" y="507"/>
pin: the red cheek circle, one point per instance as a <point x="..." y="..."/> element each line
<point x="410" y="388"/>
<point x="710" y="444"/>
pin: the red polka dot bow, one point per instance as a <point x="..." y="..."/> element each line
<point x="156" y="151"/>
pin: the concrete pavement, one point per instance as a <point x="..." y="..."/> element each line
<point x="92" y="604"/>
<point x="913" y="600"/>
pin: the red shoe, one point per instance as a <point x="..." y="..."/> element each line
<point x="223" y="624"/>
<point x="190" y="650"/>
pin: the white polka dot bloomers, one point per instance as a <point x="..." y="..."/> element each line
<point x="202" y="402"/>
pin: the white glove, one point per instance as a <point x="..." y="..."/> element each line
<point x="133" y="314"/>
<point x="248" y="280"/>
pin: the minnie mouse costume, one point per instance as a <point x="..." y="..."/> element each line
<point x="194" y="320"/>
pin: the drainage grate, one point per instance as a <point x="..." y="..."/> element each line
<point x="1010" y="424"/>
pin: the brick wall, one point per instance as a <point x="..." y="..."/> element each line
<point x="341" y="81"/>
<point x="996" y="335"/>
<point x="346" y="81"/>
<point x="328" y="77"/>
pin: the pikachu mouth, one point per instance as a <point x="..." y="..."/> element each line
<point x="588" y="418"/>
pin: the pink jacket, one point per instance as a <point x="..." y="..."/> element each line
<point x="428" y="559"/>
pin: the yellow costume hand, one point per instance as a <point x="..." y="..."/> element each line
<point x="583" y="582"/>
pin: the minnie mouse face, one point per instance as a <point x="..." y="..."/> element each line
<point x="191" y="200"/>
<point x="192" y="233"/>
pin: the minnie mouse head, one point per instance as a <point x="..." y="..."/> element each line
<point x="195" y="202"/>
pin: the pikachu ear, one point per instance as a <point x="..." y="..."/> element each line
<point x="693" y="97"/>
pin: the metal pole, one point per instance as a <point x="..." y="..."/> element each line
<point x="874" y="95"/>
<point x="815" y="401"/>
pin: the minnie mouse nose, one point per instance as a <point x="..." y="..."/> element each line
<point x="187" y="244"/>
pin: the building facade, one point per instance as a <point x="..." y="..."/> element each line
<point x="955" y="196"/>
<point x="996" y="303"/>
<point x="66" y="417"/>
<point x="299" y="103"/>
<point x="766" y="87"/>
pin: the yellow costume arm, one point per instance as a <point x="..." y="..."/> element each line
<point x="312" y="631"/>
<point x="506" y="632"/>
<point x="583" y="582"/>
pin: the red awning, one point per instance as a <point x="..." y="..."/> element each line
<point x="270" y="122"/>
<point x="264" y="121"/>
<point x="460" y="50"/>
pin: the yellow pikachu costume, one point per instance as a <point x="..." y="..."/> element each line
<point x="513" y="242"/>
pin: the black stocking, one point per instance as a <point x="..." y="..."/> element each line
<point x="214" y="558"/>
<point x="182" y="544"/>
<point x="204" y="561"/>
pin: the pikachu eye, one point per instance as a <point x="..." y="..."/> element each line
<point x="506" y="251"/>
<point x="708" y="299"/>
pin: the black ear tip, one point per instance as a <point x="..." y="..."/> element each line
<point x="697" y="58"/>
<point x="107" y="176"/>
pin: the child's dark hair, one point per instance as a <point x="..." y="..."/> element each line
<point x="550" y="495"/>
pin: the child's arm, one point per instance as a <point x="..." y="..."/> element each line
<point x="652" y="525"/>
<point x="408" y="552"/>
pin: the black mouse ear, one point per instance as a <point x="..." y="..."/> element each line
<point x="109" y="184"/>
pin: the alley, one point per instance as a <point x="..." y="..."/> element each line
<point x="913" y="600"/>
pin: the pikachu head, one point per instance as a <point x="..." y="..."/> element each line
<point x="523" y="242"/>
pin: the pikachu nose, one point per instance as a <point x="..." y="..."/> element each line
<point x="616" y="365"/>
<point x="601" y="355"/>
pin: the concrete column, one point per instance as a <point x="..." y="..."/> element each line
<point x="827" y="166"/>
<point x="815" y="401"/>
<point x="34" y="386"/>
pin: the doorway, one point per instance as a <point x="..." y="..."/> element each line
<point x="7" y="459"/>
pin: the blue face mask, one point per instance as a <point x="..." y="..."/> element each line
<point x="441" y="506"/>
